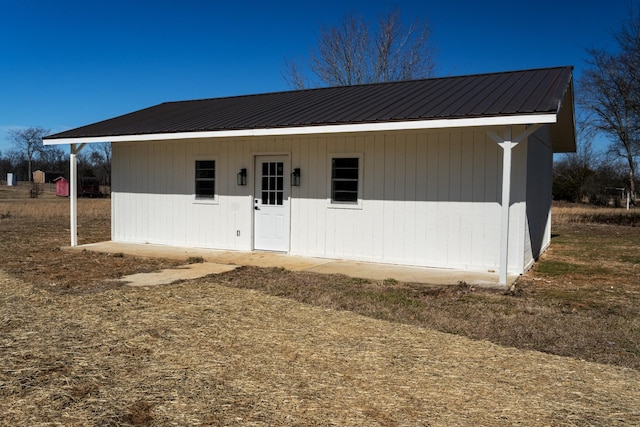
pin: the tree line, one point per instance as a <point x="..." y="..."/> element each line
<point x="591" y="176"/>
<point x="29" y="154"/>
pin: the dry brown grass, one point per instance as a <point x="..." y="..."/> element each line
<point x="16" y="202"/>
<point x="77" y="350"/>
<point x="33" y="230"/>
<point x="570" y="213"/>
<point x="198" y="353"/>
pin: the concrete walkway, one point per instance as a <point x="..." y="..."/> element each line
<point x="217" y="261"/>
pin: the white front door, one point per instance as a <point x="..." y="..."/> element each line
<point x="271" y="204"/>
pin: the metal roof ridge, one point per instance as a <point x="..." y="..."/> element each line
<point x="398" y="82"/>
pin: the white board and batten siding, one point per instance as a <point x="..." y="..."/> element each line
<point x="428" y="198"/>
<point x="539" y="196"/>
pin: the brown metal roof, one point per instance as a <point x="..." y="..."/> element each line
<point x="539" y="91"/>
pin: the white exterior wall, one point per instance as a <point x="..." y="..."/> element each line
<point x="539" y="196"/>
<point x="430" y="198"/>
<point x="153" y="195"/>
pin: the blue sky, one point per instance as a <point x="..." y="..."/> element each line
<point x="64" y="64"/>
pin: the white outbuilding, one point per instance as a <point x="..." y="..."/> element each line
<point x="450" y="172"/>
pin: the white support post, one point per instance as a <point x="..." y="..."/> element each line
<point x="73" y="191"/>
<point x="73" y="194"/>
<point x="508" y="142"/>
<point x="507" y="145"/>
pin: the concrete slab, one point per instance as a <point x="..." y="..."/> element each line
<point x="408" y="274"/>
<point x="165" y="277"/>
<point x="373" y="271"/>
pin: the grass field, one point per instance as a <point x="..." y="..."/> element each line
<point x="235" y="349"/>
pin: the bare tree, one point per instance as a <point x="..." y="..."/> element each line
<point x="629" y="41"/>
<point x="573" y="173"/>
<point x="51" y="157"/>
<point x="357" y="52"/>
<point x="29" y="142"/>
<point x="101" y="159"/>
<point x="609" y="93"/>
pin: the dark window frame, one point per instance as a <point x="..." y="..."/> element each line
<point x="345" y="180"/>
<point x="205" y="179"/>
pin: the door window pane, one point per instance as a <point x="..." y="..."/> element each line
<point x="272" y="183"/>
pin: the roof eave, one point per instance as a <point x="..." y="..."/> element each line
<point x="563" y="133"/>
<point x="524" y="119"/>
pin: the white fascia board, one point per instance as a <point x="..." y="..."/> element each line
<point x="308" y="130"/>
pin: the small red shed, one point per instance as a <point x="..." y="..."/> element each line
<point x="62" y="186"/>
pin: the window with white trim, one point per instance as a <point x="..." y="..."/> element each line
<point x="345" y="175"/>
<point x="205" y="179"/>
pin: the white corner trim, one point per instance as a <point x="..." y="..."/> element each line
<point x="308" y="130"/>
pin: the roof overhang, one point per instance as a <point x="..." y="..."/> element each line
<point x="526" y="119"/>
<point x="563" y="132"/>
